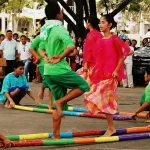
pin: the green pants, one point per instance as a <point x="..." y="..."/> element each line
<point x="143" y="101"/>
<point x="60" y="83"/>
<point x="41" y="69"/>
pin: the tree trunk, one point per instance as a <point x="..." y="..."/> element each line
<point x="71" y="24"/>
<point x="86" y="10"/>
<point x="66" y="7"/>
<point x="80" y="28"/>
<point x="16" y="21"/>
<point x="92" y="4"/>
<point x="121" y="7"/>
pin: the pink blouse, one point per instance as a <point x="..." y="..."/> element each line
<point x="108" y="52"/>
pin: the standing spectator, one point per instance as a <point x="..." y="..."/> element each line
<point x="147" y="34"/>
<point x="144" y="42"/>
<point x="134" y="43"/>
<point x="15" y="37"/>
<point x="123" y="35"/>
<point x="25" y="55"/>
<point x="9" y="51"/>
<point x="128" y="63"/>
<point x="2" y="37"/>
<point x="79" y="58"/>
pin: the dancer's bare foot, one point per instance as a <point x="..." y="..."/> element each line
<point x="41" y="93"/>
<point x="56" y="137"/>
<point x="109" y="132"/>
<point x="59" y="108"/>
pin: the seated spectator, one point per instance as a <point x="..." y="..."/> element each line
<point x="15" y="87"/>
<point x="144" y="42"/>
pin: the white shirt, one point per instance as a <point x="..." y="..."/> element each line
<point x="147" y="34"/>
<point x="24" y="51"/>
<point x="129" y="58"/>
<point x="9" y="48"/>
<point x="80" y="52"/>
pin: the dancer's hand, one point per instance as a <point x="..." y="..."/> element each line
<point x="85" y="68"/>
<point x="115" y="74"/>
<point x="46" y="59"/>
<point x="37" y="60"/>
<point x="7" y="143"/>
<point x="54" y="59"/>
<point x="36" y="101"/>
<point x="133" y="117"/>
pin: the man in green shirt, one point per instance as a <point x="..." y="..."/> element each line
<point x="40" y="64"/>
<point x="145" y="99"/>
<point x="57" y="43"/>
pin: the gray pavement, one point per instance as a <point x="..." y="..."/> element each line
<point x="16" y="122"/>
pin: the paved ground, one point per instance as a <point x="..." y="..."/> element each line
<point x="22" y="122"/>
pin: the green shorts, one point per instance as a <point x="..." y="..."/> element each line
<point x="60" y="83"/>
<point x="41" y="69"/>
<point x="143" y="101"/>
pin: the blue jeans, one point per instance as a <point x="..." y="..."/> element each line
<point x="26" y="67"/>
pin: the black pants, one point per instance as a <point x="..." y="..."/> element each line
<point x="10" y="66"/>
<point x="17" y="98"/>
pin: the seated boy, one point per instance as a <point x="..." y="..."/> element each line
<point x="15" y="87"/>
<point x="145" y="99"/>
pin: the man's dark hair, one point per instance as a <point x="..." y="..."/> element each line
<point x="148" y="30"/>
<point x="23" y="36"/>
<point x="15" y="34"/>
<point x="8" y="31"/>
<point x="52" y="9"/>
<point x="18" y="64"/>
<point x="134" y="40"/>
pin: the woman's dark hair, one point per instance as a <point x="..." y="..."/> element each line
<point x="94" y="21"/>
<point x="129" y="41"/>
<point x="23" y="36"/>
<point x="110" y="19"/>
<point x="52" y="9"/>
<point x="143" y="41"/>
<point x="79" y="44"/>
<point x="18" y="64"/>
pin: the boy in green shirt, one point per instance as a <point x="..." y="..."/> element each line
<point x="57" y="43"/>
<point x="40" y="63"/>
<point x="145" y="99"/>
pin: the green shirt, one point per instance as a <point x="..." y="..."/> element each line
<point x="35" y="46"/>
<point x="147" y="93"/>
<point x="57" y="41"/>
